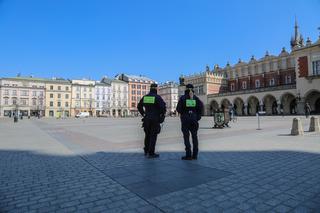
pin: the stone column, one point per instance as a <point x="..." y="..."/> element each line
<point x="278" y="107"/>
<point x="261" y="105"/>
<point x="300" y="106"/>
<point x="245" y="109"/>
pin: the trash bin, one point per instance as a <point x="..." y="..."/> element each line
<point x="219" y="119"/>
<point x="15" y="119"/>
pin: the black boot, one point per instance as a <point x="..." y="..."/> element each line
<point x="186" y="158"/>
<point x="154" y="155"/>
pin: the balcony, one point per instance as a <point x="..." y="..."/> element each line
<point x="257" y="90"/>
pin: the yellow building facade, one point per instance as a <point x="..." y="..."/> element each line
<point x="58" y="98"/>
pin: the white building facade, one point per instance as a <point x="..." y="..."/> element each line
<point x="118" y="103"/>
<point x="169" y="93"/>
<point x="103" y="96"/>
<point x="83" y="97"/>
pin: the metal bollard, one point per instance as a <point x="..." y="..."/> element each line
<point x="258" y="116"/>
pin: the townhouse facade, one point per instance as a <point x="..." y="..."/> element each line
<point x="83" y="97"/>
<point x="169" y="93"/>
<point x="119" y="99"/>
<point x="103" y="98"/>
<point x="22" y="96"/>
<point x="58" y="98"/>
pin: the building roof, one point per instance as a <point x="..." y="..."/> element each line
<point x="132" y="78"/>
<point x="109" y="81"/>
<point x="42" y="80"/>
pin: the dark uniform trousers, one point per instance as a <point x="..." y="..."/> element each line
<point x="151" y="129"/>
<point x="190" y="125"/>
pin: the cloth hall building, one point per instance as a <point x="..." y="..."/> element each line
<point x="272" y="84"/>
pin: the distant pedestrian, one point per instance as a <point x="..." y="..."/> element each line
<point x="153" y="109"/>
<point x="307" y="109"/>
<point x="190" y="109"/>
<point x="281" y="110"/>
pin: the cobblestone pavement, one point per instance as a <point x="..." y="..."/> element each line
<point x="96" y="165"/>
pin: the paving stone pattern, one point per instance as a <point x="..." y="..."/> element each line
<point x="121" y="181"/>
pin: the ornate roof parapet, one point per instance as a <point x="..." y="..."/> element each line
<point x="283" y="52"/>
<point x="308" y="42"/>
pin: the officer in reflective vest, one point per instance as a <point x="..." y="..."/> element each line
<point x="153" y="110"/>
<point x="190" y="109"/>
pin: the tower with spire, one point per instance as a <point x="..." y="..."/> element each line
<point x="297" y="39"/>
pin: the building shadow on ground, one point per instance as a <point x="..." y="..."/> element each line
<point x="131" y="182"/>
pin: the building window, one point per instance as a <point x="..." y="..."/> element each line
<point x="67" y="96"/>
<point x="138" y="86"/>
<point x="51" y="87"/>
<point x="59" y="104"/>
<point x="288" y="79"/>
<point x="51" y="95"/>
<point x="97" y="104"/>
<point x="257" y="83"/>
<point x="133" y="92"/>
<point x="34" y="93"/>
<point x="23" y="102"/>
<point x="138" y="92"/>
<point x="85" y="95"/>
<point x="244" y="85"/>
<point x="201" y="92"/>
<point x="271" y="82"/>
<point x="78" y="88"/>
<point x="144" y="87"/>
<point x="34" y="102"/>
<point x="133" y="104"/>
<point x="14" y="92"/>
<point x="51" y="103"/>
<point x="78" y="95"/>
<point x="133" y="98"/>
<point x="67" y="88"/>
<point x="59" y="95"/>
<point x="59" y="87"/>
<point x="24" y="93"/>
<point x="6" y="92"/>
<point x="133" y="86"/>
<point x="51" y="114"/>
<point x="85" y="89"/>
<point x="232" y="87"/>
<point x="66" y="104"/>
<point x="14" y="101"/>
<point x="6" y="101"/>
<point x="316" y="67"/>
<point x="41" y="94"/>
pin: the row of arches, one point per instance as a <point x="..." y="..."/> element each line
<point x="113" y="113"/>
<point x="286" y="104"/>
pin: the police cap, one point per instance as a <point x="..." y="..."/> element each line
<point x="189" y="86"/>
<point x="153" y="86"/>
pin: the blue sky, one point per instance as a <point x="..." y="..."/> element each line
<point x="161" y="39"/>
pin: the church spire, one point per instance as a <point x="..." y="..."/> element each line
<point x="297" y="39"/>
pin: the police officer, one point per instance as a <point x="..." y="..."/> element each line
<point x="190" y="109"/>
<point x="153" y="110"/>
